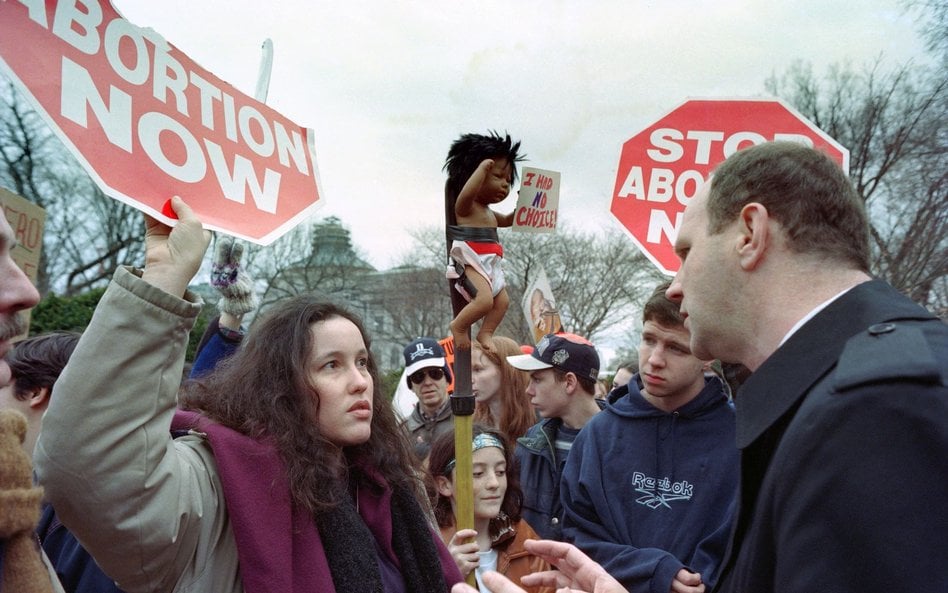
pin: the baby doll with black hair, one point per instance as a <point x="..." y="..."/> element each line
<point x="481" y="170"/>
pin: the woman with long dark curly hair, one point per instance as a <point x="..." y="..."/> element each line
<point x="352" y="455"/>
<point x="285" y="469"/>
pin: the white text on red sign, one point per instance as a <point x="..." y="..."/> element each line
<point x="693" y="147"/>
<point x="171" y="83"/>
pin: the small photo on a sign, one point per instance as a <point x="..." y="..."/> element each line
<point x="539" y="307"/>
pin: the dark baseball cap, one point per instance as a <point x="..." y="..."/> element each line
<point x="422" y="353"/>
<point x="567" y="352"/>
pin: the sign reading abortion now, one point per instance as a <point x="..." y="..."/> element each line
<point x="148" y="123"/>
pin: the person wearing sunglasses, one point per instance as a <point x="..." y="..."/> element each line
<point x="428" y="376"/>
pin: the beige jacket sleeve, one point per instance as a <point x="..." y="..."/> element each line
<point x="148" y="508"/>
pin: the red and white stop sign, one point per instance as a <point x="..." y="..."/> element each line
<point x="147" y="122"/>
<point x="662" y="167"/>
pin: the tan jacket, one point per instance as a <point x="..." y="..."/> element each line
<point x="148" y="508"/>
<point x="513" y="561"/>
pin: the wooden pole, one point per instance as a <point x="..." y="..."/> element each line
<point x="462" y="406"/>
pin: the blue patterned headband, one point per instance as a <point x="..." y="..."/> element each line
<point x="481" y="441"/>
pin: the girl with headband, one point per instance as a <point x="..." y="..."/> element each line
<point x="496" y="542"/>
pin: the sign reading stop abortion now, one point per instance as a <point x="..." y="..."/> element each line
<point x="662" y="167"/>
<point x="148" y="123"/>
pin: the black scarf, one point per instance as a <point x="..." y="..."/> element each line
<point x="352" y="557"/>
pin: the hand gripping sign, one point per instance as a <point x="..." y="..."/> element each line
<point x="147" y="122"/>
<point x="662" y="167"/>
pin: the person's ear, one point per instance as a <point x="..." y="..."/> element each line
<point x="39" y="398"/>
<point x="444" y="486"/>
<point x="754" y="227"/>
<point x="571" y="383"/>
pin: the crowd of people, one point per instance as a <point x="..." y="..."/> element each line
<point x="279" y="464"/>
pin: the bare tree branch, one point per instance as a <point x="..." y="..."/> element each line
<point x="895" y="124"/>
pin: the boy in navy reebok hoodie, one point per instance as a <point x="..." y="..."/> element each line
<point x="649" y="486"/>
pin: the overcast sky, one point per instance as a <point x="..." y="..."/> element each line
<point x="387" y="86"/>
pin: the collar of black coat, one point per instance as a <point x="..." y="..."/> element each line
<point x="787" y="375"/>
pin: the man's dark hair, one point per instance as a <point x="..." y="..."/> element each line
<point x="36" y="363"/>
<point x="660" y="309"/>
<point x="804" y="190"/>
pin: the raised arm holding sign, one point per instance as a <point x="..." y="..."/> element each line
<point x="204" y="495"/>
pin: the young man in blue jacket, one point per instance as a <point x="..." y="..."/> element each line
<point x="563" y="371"/>
<point x="649" y="485"/>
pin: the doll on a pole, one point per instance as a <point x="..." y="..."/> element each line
<point x="481" y="170"/>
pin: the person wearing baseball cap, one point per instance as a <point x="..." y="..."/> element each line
<point x="563" y="371"/>
<point x="428" y="376"/>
